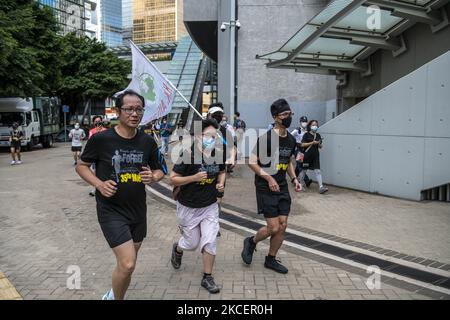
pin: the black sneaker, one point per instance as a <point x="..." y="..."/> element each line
<point x="176" y="257"/>
<point x="308" y="183"/>
<point x="275" y="265"/>
<point x="247" y="251"/>
<point x="209" y="284"/>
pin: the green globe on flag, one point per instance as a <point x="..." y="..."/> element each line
<point x="147" y="87"/>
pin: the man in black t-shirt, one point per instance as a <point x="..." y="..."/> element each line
<point x="126" y="160"/>
<point x="272" y="157"/>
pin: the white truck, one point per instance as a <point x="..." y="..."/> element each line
<point x="38" y="118"/>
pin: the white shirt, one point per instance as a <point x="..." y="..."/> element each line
<point x="230" y="128"/>
<point x="77" y="135"/>
<point x="298" y="135"/>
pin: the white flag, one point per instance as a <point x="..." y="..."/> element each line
<point x="150" y="83"/>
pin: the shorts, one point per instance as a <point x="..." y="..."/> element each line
<point x="272" y="205"/>
<point x="117" y="232"/>
<point x="198" y="227"/>
<point x="76" y="149"/>
<point x="15" y="145"/>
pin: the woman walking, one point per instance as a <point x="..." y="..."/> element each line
<point x="312" y="143"/>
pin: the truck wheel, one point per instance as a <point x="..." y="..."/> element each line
<point x="48" y="142"/>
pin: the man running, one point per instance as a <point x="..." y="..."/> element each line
<point x="272" y="193"/>
<point x="77" y="135"/>
<point x="120" y="184"/>
<point x="15" y="140"/>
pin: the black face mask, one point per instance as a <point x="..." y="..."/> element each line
<point x="286" y="122"/>
<point x="98" y="124"/>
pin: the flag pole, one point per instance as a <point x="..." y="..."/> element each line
<point x="171" y="84"/>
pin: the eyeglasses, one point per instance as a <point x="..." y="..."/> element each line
<point x="129" y="111"/>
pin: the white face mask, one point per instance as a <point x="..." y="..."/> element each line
<point x="77" y="127"/>
<point x="303" y="124"/>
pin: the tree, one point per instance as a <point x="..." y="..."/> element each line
<point x="29" y="49"/>
<point x="35" y="60"/>
<point x="89" y="70"/>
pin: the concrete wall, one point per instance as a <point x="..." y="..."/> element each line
<point x="266" y="26"/>
<point x="200" y="10"/>
<point x="423" y="46"/>
<point x="396" y="142"/>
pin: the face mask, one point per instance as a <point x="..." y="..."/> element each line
<point x="98" y="124"/>
<point x="314" y="128"/>
<point x="77" y="127"/>
<point x="303" y="124"/>
<point x="286" y="122"/>
<point x="208" y="143"/>
<point x="224" y="122"/>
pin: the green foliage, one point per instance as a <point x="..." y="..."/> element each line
<point x="90" y="70"/>
<point x="36" y="60"/>
<point x="28" y="49"/>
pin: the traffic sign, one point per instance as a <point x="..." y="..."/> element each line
<point x="65" y="108"/>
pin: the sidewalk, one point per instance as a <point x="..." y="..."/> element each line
<point x="48" y="223"/>
<point x="419" y="229"/>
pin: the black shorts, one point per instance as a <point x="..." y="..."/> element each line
<point x="272" y="205"/>
<point x="117" y="232"/>
<point x="15" y="145"/>
<point x="76" y="149"/>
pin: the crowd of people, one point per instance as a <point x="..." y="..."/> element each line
<point x="119" y="162"/>
<point x="127" y="158"/>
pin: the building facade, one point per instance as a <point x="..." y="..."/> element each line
<point x="157" y="20"/>
<point x="127" y="20"/>
<point x="110" y="22"/>
<point x="244" y="83"/>
<point x="70" y="14"/>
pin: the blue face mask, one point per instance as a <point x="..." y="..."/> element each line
<point x="314" y="128"/>
<point x="208" y="143"/>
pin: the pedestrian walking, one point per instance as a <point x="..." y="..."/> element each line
<point x="165" y="130"/>
<point x="77" y="135"/>
<point x="15" y="141"/>
<point x="239" y="126"/>
<point x="298" y="135"/>
<point x="98" y="126"/>
<point x="312" y="143"/>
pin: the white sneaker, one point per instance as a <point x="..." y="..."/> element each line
<point x="19" y="162"/>
<point x="109" y="295"/>
<point x="13" y="162"/>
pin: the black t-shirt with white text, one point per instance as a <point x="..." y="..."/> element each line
<point x="120" y="159"/>
<point x="274" y="162"/>
<point x="198" y="194"/>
